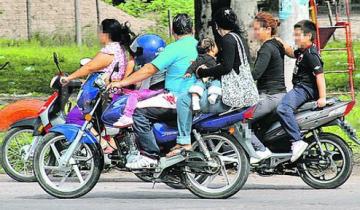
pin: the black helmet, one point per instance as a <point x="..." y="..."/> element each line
<point x="182" y="24"/>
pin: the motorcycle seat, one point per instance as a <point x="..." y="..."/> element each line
<point x="312" y="105"/>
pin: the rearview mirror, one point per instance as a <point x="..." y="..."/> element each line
<point x="56" y="61"/>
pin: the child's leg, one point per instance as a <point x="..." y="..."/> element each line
<point x="126" y="119"/>
<point x="214" y="91"/>
<point x="143" y="93"/>
<point x="288" y="105"/>
<point x="197" y="88"/>
<point x="197" y="91"/>
<point x="195" y="101"/>
<point x="291" y="101"/>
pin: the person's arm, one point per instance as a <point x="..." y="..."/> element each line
<point x="320" y="82"/>
<point x="315" y="65"/>
<point x="228" y="54"/>
<point x="289" y="50"/>
<point x="262" y="62"/>
<point x="129" y="67"/>
<point x="160" y="63"/>
<point x="145" y="72"/>
<point x="100" y="61"/>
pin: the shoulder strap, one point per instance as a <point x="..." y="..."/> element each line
<point x="241" y="48"/>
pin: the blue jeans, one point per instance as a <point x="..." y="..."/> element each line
<point x="213" y="87"/>
<point x="143" y="121"/>
<point x="185" y="114"/>
<point x="288" y="105"/>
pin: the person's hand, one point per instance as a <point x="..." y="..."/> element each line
<point x="187" y="75"/>
<point x="114" y="86"/>
<point x="106" y="79"/>
<point x="321" y="102"/>
<point x="64" y="80"/>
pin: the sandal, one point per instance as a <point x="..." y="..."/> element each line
<point x="178" y="149"/>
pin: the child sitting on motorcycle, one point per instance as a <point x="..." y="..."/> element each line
<point x="308" y="81"/>
<point x="144" y="49"/>
<point x="207" y="50"/>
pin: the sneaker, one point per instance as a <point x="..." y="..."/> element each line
<point x="298" y="147"/>
<point x="132" y="156"/>
<point x="124" y="121"/>
<point x="262" y="155"/>
<point x="142" y="162"/>
<point x="212" y="98"/>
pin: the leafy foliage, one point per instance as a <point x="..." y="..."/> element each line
<point x="158" y="9"/>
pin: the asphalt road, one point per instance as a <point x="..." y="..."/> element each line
<point x="124" y="191"/>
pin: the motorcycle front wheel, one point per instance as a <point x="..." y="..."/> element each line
<point x="330" y="170"/>
<point x="77" y="178"/>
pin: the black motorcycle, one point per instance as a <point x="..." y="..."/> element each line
<point x="327" y="161"/>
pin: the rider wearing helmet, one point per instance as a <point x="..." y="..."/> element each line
<point x="174" y="60"/>
<point x="144" y="49"/>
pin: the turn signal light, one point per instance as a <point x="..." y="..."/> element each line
<point x="88" y="117"/>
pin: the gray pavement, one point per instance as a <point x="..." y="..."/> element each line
<point x="124" y="191"/>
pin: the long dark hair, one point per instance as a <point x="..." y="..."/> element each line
<point x="118" y="32"/>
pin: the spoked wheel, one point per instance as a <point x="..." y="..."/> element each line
<point x="16" y="145"/>
<point x="330" y="170"/>
<point x="77" y="178"/>
<point x="227" y="176"/>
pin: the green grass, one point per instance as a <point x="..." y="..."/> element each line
<point x="338" y="61"/>
<point x="31" y="64"/>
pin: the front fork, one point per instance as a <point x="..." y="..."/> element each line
<point x="64" y="159"/>
<point x="30" y="153"/>
<point x="243" y="134"/>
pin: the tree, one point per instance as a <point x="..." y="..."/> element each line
<point x="204" y="10"/>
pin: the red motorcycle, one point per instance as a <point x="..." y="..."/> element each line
<point x="33" y="120"/>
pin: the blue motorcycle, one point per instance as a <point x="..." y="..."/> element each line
<point x="218" y="166"/>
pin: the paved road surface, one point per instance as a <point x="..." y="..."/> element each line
<point x="124" y="191"/>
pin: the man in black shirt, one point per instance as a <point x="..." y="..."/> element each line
<point x="308" y="80"/>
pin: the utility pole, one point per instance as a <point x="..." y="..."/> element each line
<point x="291" y="12"/>
<point x="97" y="12"/>
<point x="28" y="18"/>
<point x="77" y="22"/>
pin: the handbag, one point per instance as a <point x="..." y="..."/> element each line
<point x="239" y="90"/>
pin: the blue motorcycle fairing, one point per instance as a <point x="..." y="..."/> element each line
<point x="70" y="131"/>
<point x="164" y="133"/>
<point x="114" y="111"/>
<point x="204" y="122"/>
<point x="216" y="122"/>
<point x="88" y="93"/>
